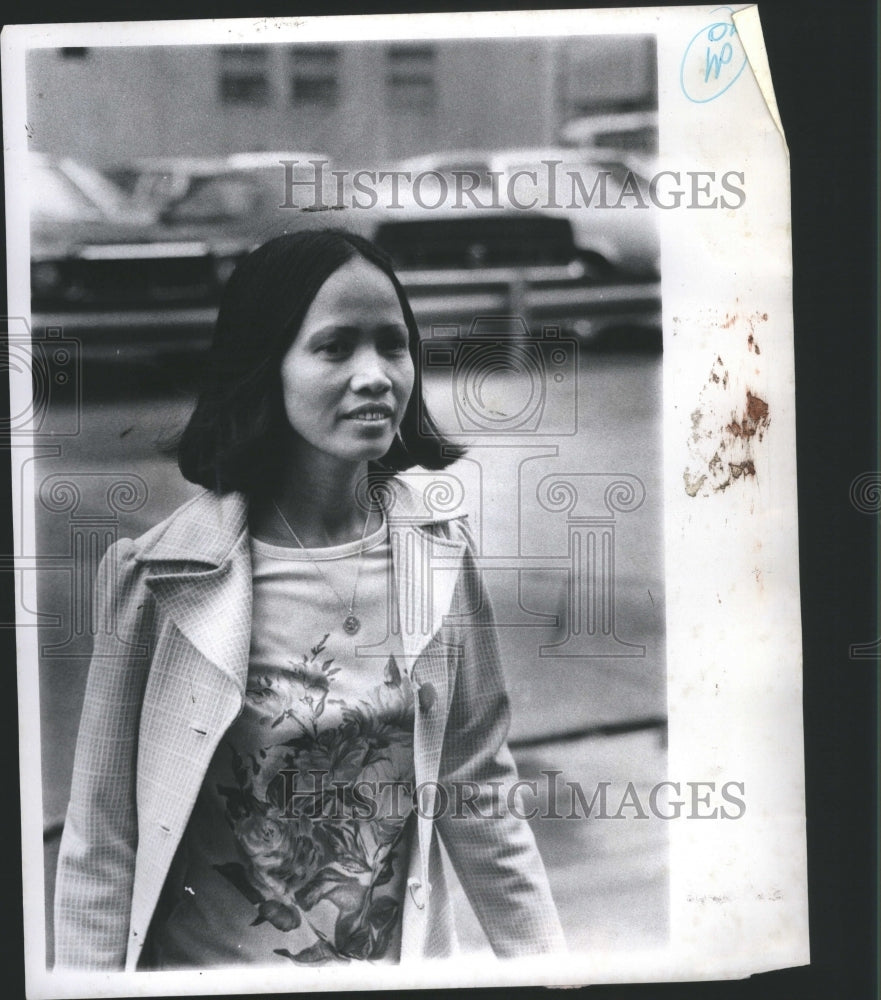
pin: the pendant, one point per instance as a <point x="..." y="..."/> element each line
<point x="351" y="624"/>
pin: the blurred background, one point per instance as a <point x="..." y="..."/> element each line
<point x="155" y="169"/>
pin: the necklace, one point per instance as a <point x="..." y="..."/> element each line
<point x="351" y="623"/>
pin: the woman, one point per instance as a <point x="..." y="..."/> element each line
<point x="301" y="694"/>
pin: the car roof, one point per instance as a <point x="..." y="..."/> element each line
<point x="173" y="162"/>
<point x="243" y="161"/>
<point x="203" y="165"/>
<point x="494" y="158"/>
<point x="430" y="161"/>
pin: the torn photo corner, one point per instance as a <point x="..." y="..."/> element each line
<point x="588" y="214"/>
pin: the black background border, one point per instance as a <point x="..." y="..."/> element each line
<point x="824" y="64"/>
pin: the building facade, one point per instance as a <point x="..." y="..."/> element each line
<point x="360" y="103"/>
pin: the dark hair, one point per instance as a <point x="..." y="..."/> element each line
<point x="235" y="435"/>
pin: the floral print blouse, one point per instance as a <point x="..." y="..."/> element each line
<point x="297" y="846"/>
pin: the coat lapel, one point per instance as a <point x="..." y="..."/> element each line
<point x="426" y="571"/>
<point x="201" y="577"/>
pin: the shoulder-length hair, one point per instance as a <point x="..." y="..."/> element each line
<point x="235" y="436"/>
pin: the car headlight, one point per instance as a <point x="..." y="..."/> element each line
<point x="47" y="279"/>
<point x="224" y="267"/>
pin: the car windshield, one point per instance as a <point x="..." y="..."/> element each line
<point x="239" y="195"/>
<point x="55" y="197"/>
<point x="218" y="199"/>
<point x="95" y="186"/>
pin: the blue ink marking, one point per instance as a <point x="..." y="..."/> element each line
<point x="713" y="61"/>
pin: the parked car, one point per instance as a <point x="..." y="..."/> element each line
<point x="631" y="131"/>
<point x="613" y="244"/>
<point x="154" y="182"/>
<point x="133" y="281"/>
<point x="63" y="190"/>
<point x="73" y="209"/>
<point x="128" y="290"/>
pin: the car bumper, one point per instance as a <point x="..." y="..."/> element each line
<point x="444" y="304"/>
<point x="124" y="334"/>
<point x="449" y="304"/>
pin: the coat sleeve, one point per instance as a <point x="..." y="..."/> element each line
<point x="490" y="845"/>
<point x="96" y="860"/>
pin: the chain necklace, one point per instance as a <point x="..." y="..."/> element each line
<point x="351" y="623"/>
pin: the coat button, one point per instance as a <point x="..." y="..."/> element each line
<point x="427" y="696"/>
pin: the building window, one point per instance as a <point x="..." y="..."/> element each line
<point x="410" y="78"/>
<point x="244" y="75"/>
<point x="73" y="52"/>
<point x="315" y="75"/>
<point x="607" y="73"/>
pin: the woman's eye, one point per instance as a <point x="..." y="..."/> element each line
<point x="394" y="344"/>
<point x="335" y="349"/>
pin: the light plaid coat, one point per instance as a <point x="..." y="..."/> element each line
<point x="168" y="677"/>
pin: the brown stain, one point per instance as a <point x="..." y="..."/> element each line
<point x="754" y="420"/>
<point x="756" y="408"/>
<point x="751" y="342"/>
<point x="737" y="436"/>
<point x="730" y="444"/>
<point x="715" y="377"/>
<point x="739" y="469"/>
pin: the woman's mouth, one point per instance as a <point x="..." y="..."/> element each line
<point x="371" y="414"/>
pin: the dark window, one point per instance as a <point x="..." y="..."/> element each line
<point x="244" y="75"/>
<point x="74" y="53"/>
<point x="227" y="198"/>
<point x="608" y="73"/>
<point x="315" y="75"/>
<point x="410" y="78"/>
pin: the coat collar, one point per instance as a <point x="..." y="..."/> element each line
<point x="200" y="571"/>
<point x="208" y="528"/>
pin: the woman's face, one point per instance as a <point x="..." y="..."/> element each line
<point x="348" y="375"/>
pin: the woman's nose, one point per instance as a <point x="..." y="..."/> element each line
<point x="370" y="374"/>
